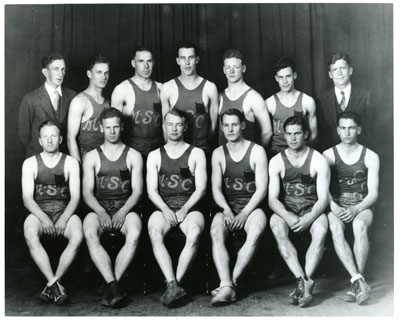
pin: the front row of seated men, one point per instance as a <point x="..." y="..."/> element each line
<point x="311" y="201"/>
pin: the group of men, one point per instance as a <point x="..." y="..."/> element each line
<point x="153" y="148"/>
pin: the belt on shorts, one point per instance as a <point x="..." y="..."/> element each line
<point x="354" y="195"/>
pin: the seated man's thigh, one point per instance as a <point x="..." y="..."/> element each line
<point x="132" y="225"/>
<point x="73" y="228"/>
<point x="91" y="224"/>
<point x="192" y="220"/>
<point x="256" y="222"/>
<point x="218" y="228"/>
<point x="363" y="220"/>
<point x="32" y="225"/>
<point x="320" y="226"/>
<point x="278" y="225"/>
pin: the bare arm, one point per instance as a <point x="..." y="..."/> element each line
<point x="213" y="109"/>
<point x="75" y="114"/>
<point x="311" y="117"/>
<point x="117" y="97"/>
<point x="136" y="164"/>
<point x="262" y="116"/>
<point x="72" y="168"/>
<point x="165" y="104"/>
<point x="216" y="179"/>
<point x="275" y="168"/>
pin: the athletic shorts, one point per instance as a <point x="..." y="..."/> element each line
<point x="84" y="150"/>
<point x="298" y="205"/>
<point x="237" y="204"/>
<point x="54" y="209"/>
<point x="348" y="199"/>
<point x="112" y="206"/>
<point x="145" y="145"/>
<point x="175" y="203"/>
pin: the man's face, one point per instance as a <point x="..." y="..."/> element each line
<point x="143" y="64"/>
<point x="99" y="75"/>
<point x="348" y="131"/>
<point x="112" y="129"/>
<point x="295" y="137"/>
<point x="55" y="73"/>
<point x="187" y="61"/>
<point x="285" y="78"/>
<point x="233" y="69"/>
<point x="174" y="126"/>
<point x="50" y="139"/>
<point x="340" y="73"/>
<point x="232" y="127"/>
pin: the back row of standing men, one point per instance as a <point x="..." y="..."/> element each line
<point x="145" y="104"/>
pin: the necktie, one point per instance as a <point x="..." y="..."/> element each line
<point x="56" y="101"/>
<point x="343" y="101"/>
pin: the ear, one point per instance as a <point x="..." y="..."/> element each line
<point x="122" y="126"/>
<point x="338" y="130"/>
<point x="45" y="72"/>
<point x="244" y="68"/>
<point x="40" y="141"/>
<point x="185" y="127"/>
<point x="295" y="76"/>
<point x="197" y="59"/>
<point x="306" y="134"/>
<point x="330" y="74"/>
<point x="60" y="139"/>
<point x="359" y="129"/>
<point x="133" y="63"/>
<point x="177" y="61"/>
<point x="89" y="74"/>
<point x="243" y="125"/>
<point x="276" y="78"/>
<point x="351" y="71"/>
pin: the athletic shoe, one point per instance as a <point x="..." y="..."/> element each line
<point x="350" y="295"/>
<point x="362" y="291"/>
<point x="46" y="295"/>
<point x="226" y="294"/>
<point x="305" y="300"/>
<point x="59" y="293"/>
<point x="294" y="295"/>
<point x="172" y="294"/>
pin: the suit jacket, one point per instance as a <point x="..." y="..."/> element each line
<point x="328" y="109"/>
<point x="35" y="108"/>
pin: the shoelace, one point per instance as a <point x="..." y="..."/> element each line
<point x="56" y="290"/>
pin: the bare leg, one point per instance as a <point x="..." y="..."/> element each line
<point x="219" y="233"/>
<point x="361" y="224"/>
<point x="131" y="229"/>
<point x="281" y="233"/>
<point x="342" y="248"/>
<point x="73" y="232"/>
<point x="158" y="228"/>
<point x="99" y="256"/>
<point x="192" y="227"/>
<point x="318" y="231"/>
<point x="32" y="233"/>
<point x="254" y="227"/>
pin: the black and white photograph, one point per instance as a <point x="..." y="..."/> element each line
<point x="199" y="159"/>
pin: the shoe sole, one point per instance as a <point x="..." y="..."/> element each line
<point x="348" y="298"/>
<point x="116" y="301"/>
<point x="222" y="302"/>
<point x="62" y="300"/>
<point x="176" y="300"/>
<point x="293" y="301"/>
<point x="361" y="298"/>
<point x="305" y="302"/>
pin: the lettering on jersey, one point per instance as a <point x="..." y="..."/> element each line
<point x="358" y="177"/>
<point x="299" y="189"/>
<point x="175" y="181"/>
<point x="146" y="117"/>
<point x="113" y="183"/>
<point x="278" y="126"/>
<point x="239" y="184"/>
<point x="51" y="190"/>
<point x="92" y="125"/>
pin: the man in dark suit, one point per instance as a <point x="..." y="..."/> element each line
<point x="343" y="97"/>
<point x="48" y="102"/>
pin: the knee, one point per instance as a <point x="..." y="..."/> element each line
<point x="337" y="230"/>
<point x="155" y="236"/>
<point x="276" y="227"/>
<point x="318" y="235"/>
<point x="76" y="239"/>
<point x="216" y="234"/>
<point x="91" y="237"/>
<point x="193" y="236"/>
<point x="360" y="228"/>
<point x="32" y="238"/>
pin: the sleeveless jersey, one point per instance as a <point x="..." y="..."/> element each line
<point x="50" y="184"/>
<point x="238" y="178"/>
<point x="113" y="181"/>
<point x="349" y="178"/>
<point x="249" y="132"/>
<point x="90" y="135"/>
<point x="191" y="102"/>
<point x="174" y="177"/>
<point x="282" y="113"/>
<point x="298" y="184"/>
<point x="145" y="120"/>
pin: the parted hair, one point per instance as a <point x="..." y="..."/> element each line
<point x="233" y="112"/>
<point x="283" y="63"/>
<point x="49" y="58"/>
<point x="296" y="120"/>
<point x="337" y="56"/>
<point x="98" y="59"/>
<point x="47" y="123"/>
<point x="350" y="115"/>
<point x="111" y="113"/>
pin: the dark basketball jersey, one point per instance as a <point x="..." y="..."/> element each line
<point x="50" y="183"/>
<point x="90" y="134"/>
<point x="250" y="130"/>
<point x="282" y="113"/>
<point x="145" y="120"/>
<point x="113" y="181"/>
<point x="238" y="178"/>
<point x="191" y="102"/>
<point x="349" y="178"/>
<point x="299" y="187"/>
<point x="174" y="177"/>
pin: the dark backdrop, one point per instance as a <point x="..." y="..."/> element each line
<point x="308" y="33"/>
